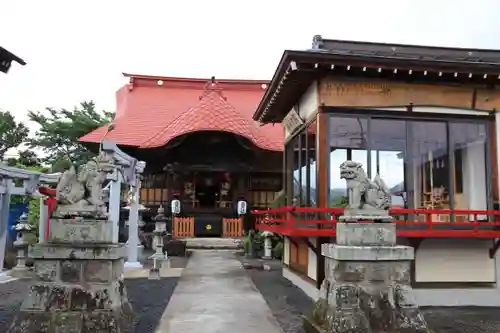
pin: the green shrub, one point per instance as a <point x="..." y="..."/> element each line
<point x="10" y="259"/>
<point x="246" y="243"/>
<point x="34" y="215"/>
<point x="278" y="251"/>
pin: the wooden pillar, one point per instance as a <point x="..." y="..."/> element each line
<point x="322" y="152"/>
<point x="323" y="184"/>
<point x="494" y="159"/>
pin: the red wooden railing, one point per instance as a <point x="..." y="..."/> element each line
<point x="416" y="223"/>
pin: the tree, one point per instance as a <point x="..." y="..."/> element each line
<point x="12" y="133"/>
<point x="28" y="158"/>
<point x="60" y="130"/>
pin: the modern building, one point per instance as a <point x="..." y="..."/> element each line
<point x="201" y="145"/>
<point x="424" y="119"/>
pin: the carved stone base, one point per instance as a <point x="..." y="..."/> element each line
<point x="367" y="284"/>
<point x="355" y="215"/>
<point x="77" y="288"/>
<point x="81" y="230"/>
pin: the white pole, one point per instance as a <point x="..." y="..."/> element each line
<point x="44" y="221"/>
<point x="133" y="230"/>
<point x="114" y="204"/>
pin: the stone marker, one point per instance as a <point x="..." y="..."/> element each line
<point x="78" y="285"/>
<point x="367" y="276"/>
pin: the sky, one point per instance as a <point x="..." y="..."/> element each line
<point x="76" y="50"/>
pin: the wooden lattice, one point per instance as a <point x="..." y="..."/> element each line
<point x="183" y="227"/>
<point x="232" y="228"/>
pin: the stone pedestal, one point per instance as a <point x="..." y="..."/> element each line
<point x="367" y="284"/>
<point x="268" y="249"/>
<point x="78" y="285"/>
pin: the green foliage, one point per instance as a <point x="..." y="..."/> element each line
<point x="33" y="202"/>
<point x="278" y="250"/>
<point x="12" y="133"/>
<point x="258" y="243"/>
<point x="60" y="130"/>
<point x="34" y="214"/>
<point x="61" y="165"/>
<point x="29" y="159"/>
<point x="279" y="201"/>
<point x="339" y="202"/>
<point x="246" y="243"/>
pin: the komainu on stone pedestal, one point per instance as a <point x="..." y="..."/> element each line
<point x="367" y="276"/>
<point x="368" y="199"/>
<point x="78" y="285"/>
<point x="367" y="284"/>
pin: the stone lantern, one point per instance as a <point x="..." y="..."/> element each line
<point x="21" y="244"/>
<point x="160" y="259"/>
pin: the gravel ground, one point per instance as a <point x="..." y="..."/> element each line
<point x="288" y="302"/>
<point x="149" y="299"/>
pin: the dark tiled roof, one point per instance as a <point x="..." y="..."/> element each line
<point x="6" y="59"/>
<point x="407" y="52"/>
<point x="298" y="69"/>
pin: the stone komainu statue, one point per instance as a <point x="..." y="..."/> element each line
<point x="364" y="194"/>
<point x="82" y="190"/>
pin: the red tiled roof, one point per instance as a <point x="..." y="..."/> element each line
<point x="151" y="111"/>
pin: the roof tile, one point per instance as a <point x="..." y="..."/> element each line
<point x="150" y="115"/>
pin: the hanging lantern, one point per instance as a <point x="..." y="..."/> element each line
<point x="175" y="206"/>
<point x="242" y="207"/>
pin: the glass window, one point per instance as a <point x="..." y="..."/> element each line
<point x="430" y="162"/>
<point x="348" y="141"/>
<point x="425" y="164"/>
<point x="469" y="166"/>
<point x="388" y="151"/>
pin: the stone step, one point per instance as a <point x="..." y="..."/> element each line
<point x="214" y="243"/>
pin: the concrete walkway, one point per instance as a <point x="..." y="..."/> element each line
<point x="214" y="295"/>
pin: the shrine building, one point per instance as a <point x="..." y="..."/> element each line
<point x="424" y="119"/>
<point x="201" y="145"/>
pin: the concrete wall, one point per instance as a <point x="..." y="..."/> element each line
<point x="312" y="265"/>
<point x="286" y="251"/>
<point x="454" y="260"/>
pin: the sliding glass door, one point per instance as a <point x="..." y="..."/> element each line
<point x="388" y="154"/>
<point x="426" y="164"/>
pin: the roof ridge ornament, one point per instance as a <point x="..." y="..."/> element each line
<point x="212" y="86"/>
<point x="317" y="42"/>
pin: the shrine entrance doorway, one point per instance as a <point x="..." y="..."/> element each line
<point x="209" y="172"/>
